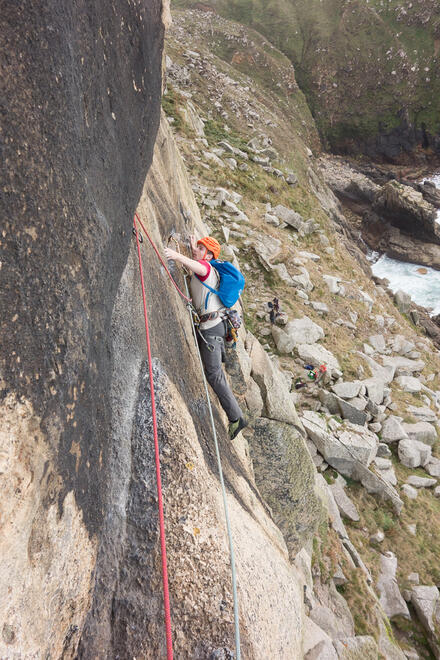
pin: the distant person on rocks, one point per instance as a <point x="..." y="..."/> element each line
<point x="212" y="328"/>
<point x="274" y="307"/>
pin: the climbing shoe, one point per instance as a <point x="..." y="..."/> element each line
<point x="236" y="427"/>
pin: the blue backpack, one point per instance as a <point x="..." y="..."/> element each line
<point x="231" y="283"/>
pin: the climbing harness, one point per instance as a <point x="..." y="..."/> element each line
<point x="194" y="317"/>
<point x="166" y="596"/>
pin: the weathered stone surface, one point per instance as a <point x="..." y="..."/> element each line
<point x="403" y="301"/>
<point x="344" y="452"/>
<point x="392" y="430"/>
<point x="433" y="467"/>
<point x="384" y="374"/>
<point x="375" y="485"/>
<point x="317" y="355"/>
<point x="253" y="399"/>
<point x="289" y="216"/>
<point x="304" y="331"/>
<point x="421" y="482"/>
<point x="338" y="406"/>
<point x="407" y="210"/>
<point x="389" y="650"/>
<point x="409" y="384"/>
<point x="426" y="602"/>
<point x="317" y="644"/>
<point x="390" y="597"/>
<point x="298" y="331"/>
<point x="327" y="621"/>
<point x="412" y="453"/>
<point x="375" y="389"/>
<point x="81" y="86"/>
<point x="410" y="491"/>
<point x="377" y="342"/>
<point x="423" y="413"/>
<point x="273" y="384"/>
<point x="356" y="648"/>
<point x="347" y="390"/>
<point x="285" y="476"/>
<point x="421" y="431"/>
<point x="403" y="366"/>
<point x="345" y="505"/>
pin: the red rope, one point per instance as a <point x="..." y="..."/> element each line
<point x="166" y="596"/>
<point x="160" y="258"/>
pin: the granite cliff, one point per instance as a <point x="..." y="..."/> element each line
<point x="332" y="489"/>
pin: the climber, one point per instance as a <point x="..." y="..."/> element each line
<point x="212" y="326"/>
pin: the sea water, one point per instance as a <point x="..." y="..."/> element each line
<point x="420" y="282"/>
<point x="424" y="289"/>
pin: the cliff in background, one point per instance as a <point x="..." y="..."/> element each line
<point x="369" y="70"/>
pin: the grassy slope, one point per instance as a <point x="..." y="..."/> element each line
<point x="292" y="129"/>
<point x="345" y="51"/>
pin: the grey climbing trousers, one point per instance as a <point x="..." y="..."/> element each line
<point x="212" y="361"/>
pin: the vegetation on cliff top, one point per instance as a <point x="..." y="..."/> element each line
<point x="367" y="68"/>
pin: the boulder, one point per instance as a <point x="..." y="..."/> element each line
<point x="304" y="331"/>
<point x="273" y="384"/>
<point x="302" y="280"/>
<point x="338" y="406"/>
<point x="384" y="374"/>
<point x="392" y="430"/>
<point x="390" y="597"/>
<point x="423" y="414"/>
<point x="403" y="301"/>
<point x="344" y="452"/>
<point x="283" y="274"/>
<point x="410" y="491"/>
<point x="284" y="342"/>
<point x="375" y="389"/>
<point x="421" y="482"/>
<point x="332" y="283"/>
<point x="357" y="648"/>
<point x="413" y="454"/>
<point x="285" y="476"/>
<point x="327" y="621"/>
<point x="266" y="249"/>
<point x="375" y="485"/>
<point x="320" y="307"/>
<point x="317" y="355"/>
<point x="377" y="342"/>
<point x="403" y="366"/>
<point x="347" y="390"/>
<point x="422" y="432"/>
<point x="289" y="216"/>
<point x="401" y="345"/>
<point x="409" y="384"/>
<point x="315" y="641"/>
<point x="433" y="467"/>
<point x="346" y="507"/>
<point x="324" y="650"/>
<point x="426" y="602"/>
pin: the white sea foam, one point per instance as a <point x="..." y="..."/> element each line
<point x="423" y="289"/>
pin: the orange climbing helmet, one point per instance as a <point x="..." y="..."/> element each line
<point x="210" y="244"/>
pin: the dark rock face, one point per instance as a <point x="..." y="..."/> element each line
<point x="82" y="88"/>
<point x="83" y="84"/>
